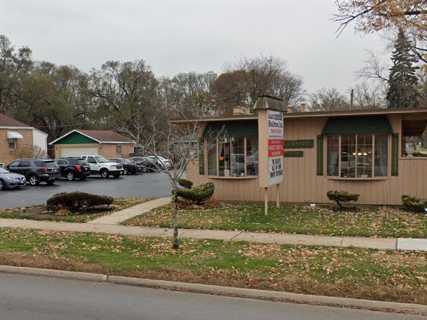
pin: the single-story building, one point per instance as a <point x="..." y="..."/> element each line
<point x="106" y="143"/>
<point x="19" y="140"/>
<point x="380" y="154"/>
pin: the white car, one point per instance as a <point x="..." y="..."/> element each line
<point x="103" y="167"/>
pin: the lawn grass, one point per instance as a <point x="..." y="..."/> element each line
<point x="297" y="219"/>
<point x="357" y="273"/>
<point x="39" y="212"/>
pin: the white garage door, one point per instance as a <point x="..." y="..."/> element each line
<point x="78" y="151"/>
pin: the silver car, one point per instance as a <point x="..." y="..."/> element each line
<point x="10" y="180"/>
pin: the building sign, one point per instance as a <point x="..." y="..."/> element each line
<point x="275" y="147"/>
<point x="275" y="124"/>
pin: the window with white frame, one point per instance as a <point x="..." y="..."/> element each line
<point x="357" y="156"/>
<point x="12" y="143"/>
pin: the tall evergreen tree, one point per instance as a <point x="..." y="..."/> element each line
<point x="402" y="92"/>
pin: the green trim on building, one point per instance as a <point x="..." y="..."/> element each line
<point x="299" y="144"/>
<point x="236" y="129"/>
<point x="75" y="138"/>
<point x="357" y="125"/>
<point x="201" y="158"/>
<point x="395" y="154"/>
<point x="319" y="154"/>
<point x="293" y="154"/>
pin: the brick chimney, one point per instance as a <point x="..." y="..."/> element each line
<point x="290" y="109"/>
<point x="302" y="107"/>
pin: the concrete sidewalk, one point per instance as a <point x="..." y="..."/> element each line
<point x="129" y="213"/>
<point x="278" y="238"/>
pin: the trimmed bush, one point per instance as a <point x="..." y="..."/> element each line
<point x="77" y="201"/>
<point x="185" y="183"/>
<point x="197" y="194"/>
<point x="342" y="196"/>
<point x="414" y="204"/>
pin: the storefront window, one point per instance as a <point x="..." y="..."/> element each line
<point x="348" y="156"/>
<point x="252" y="156"/>
<point x="212" y="164"/>
<point x="357" y="156"/>
<point x="233" y="156"/>
<point x="364" y="156"/>
<point x="333" y="155"/>
<point x="381" y="149"/>
<point x="238" y="157"/>
<point x="414" y="136"/>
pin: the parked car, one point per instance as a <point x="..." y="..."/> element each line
<point x="144" y="164"/>
<point x="129" y="167"/>
<point x="73" y="168"/>
<point x="103" y="167"/>
<point x="9" y="180"/>
<point x="35" y="170"/>
<point x="161" y="161"/>
<point x="152" y="163"/>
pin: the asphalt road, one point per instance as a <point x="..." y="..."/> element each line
<point x="28" y="297"/>
<point x="145" y="185"/>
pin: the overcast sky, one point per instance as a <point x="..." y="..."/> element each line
<point x="191" y="35"/>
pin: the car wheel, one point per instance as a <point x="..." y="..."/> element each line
<point x="33" y="180"/>
<point x="2" y="185"/>
<point x="51" y="182"/>
<point x="83" y="178"/>
<point x="104" y="173"/>
<point x="125" y="172"/>
<point x="70" y="176"/>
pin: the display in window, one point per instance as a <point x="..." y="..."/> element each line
<point x="414" y="138"/>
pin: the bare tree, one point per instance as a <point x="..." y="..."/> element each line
<point x="377" y="15"/>
<point x="328" y="100"/>
<point x="251" y="78"/>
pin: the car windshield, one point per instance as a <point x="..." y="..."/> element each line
<point x="100" y="159"/>
<point x="3" y="170"/>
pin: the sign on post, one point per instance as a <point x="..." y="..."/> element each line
<point x="275" y="147"/>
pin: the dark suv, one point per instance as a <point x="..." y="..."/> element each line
<point x="35" y="170"/>
<point x="72" y="168"/>
<point x="129" y="167"/>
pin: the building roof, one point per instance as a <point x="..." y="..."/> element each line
<point x="217" y="119"/>
<point x="99" y="136"/>
<point x="310" y="114"/>
<point x="351" y="113"/>
<point x="6" y="121"/>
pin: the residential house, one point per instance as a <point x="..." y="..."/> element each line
<point x="106" y="143"/>
<point x="19" y="140"/>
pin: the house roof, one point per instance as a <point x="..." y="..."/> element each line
<point x="6" y="121"/>
<point x="99" y="136"/>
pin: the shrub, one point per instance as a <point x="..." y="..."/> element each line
<point x="77" y="201"/>
<point x="197" y="194"/>
<point x="342" y="196"/>
<point x="414" y="204"/>
<point x="187" y="184"/>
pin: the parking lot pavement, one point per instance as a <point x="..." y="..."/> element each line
<point x="147" y="185"/>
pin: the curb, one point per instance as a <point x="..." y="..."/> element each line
<point x="54" y="273"/>
<point x="276" y="296"/>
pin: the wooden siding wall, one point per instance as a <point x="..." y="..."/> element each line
<point x="301" y="184"/>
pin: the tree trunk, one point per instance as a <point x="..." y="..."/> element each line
<point x="175" y="241"/>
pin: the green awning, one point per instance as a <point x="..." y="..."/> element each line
<point x="236" y="129"/>
<point x="357" y="125"/>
